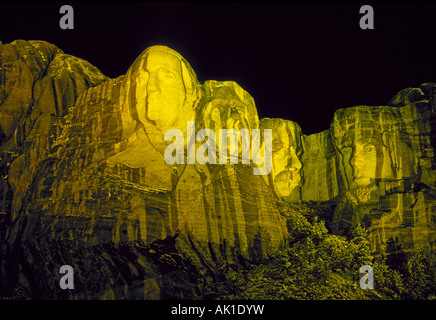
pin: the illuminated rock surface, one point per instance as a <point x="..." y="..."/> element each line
<point x="89" y="186"/>
<point x="375" y="165"/>
<point x="387" y="162"/>
<point x="84" y="182"/>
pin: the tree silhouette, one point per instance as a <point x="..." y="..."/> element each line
<point x="396" y="257"/>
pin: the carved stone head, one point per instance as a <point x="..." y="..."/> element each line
<point x="228" y="106"/>
<point x="373" y="148"/>
<point x="286" y="152"/>
<point x="161" y="90"/>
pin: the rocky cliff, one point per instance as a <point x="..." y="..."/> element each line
<point x="86" y="178"/>
<point x="85" y="181"/>
<point x="375" y="166"/>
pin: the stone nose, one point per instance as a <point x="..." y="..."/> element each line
<point x="357" y="161"/>
<point x="153" y="83"/>
<point x="294" y="164"/>
<point x="293" y="169"/>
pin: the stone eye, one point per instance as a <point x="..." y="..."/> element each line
<point x="369" y="148"/>
<point x="167" y="75"/>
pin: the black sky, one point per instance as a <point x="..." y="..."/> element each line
<point x="298" y="61"/>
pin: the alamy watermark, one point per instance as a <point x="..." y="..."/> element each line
<point x="367" y="20"/>
<point x="67" y="281"/>
<point x="206" y="153"/>
<point x="367" y="281"/>
<point x="67" y="20"/>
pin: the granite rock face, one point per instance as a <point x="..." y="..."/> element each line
<point x="285" y="177"/>
<point x="387" y="156"/>
<point x="90" y="186"/>
<point x="86" y="178"/>
<point x="375" y="163"/>
<point x="38" y="85"/>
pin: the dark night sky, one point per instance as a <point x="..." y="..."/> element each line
<point x="298" y="61"/>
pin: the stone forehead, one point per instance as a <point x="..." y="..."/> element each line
<point x="278" y="125"/>
<point x="140" y="63"/>
<point x="377" y="114"/>
<point x="364" y="121"/>
<point x="162" y="49"/>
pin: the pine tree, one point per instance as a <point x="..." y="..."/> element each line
<point x="396" y="257"/>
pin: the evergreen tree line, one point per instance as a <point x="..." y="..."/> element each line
<point x="315" y="264"/>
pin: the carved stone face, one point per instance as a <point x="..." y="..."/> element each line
<point x="228" y="114"/>
<point x="161" y="89"/>
<point x="364" y="162"/>
<point x="375" y="151"/>
<point x="285" y="155"/>
<point x="229" y="107"/>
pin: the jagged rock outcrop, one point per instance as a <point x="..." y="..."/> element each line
<point x="38" y="85"/>
<point x="98" y="194"/>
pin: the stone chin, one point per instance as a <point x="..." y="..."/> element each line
<point x="286" y="182"/>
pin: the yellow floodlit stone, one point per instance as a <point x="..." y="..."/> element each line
<point x="373" y="148"/>
<point x="161" y="91"/>
<point x="227" y="107"/>
<point x="286" y="152"/>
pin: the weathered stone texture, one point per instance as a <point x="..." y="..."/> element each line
<point x="94" y="180"/>
<point x="84" y="180"/>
